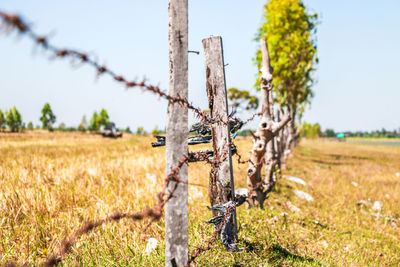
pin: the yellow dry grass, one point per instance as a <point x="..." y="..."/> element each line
<point x="50" y="183"/>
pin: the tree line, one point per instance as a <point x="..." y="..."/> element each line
<point x="11" y="119"/>
<point x="309" y="130"/>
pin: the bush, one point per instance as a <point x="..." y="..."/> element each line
<point x="48" y="118"/>
<point x="2" y="120"/>
<point x="14" y="120"/>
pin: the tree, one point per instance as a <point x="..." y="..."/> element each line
<point x="14" y="120"/>
<point x="48" y="117"/>
<point x="61" y="126"/>
<point x="104" y="119"/>
<point x="330" y="133"/>
<point x="289" y="31"/>
<point x="241" y="99"/>
<point x="2" y="120"/>
<point x="155" y="130"/>
<point x="94" y="122"/>
<point x="30" y="125"/>
<point x="82" y="126"/>
<point x="309" y="130"/>
<point x="140" y="130"/>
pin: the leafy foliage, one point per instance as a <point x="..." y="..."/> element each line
<point x="14" y="120"/>
<point x="289" y="31"/>
<point x="82" y="126"/>
<point x="309" y="130"/>
<point x="99" y="119"/>
<point x="48" y="117"/>
<point x="104" y="119"/>
<point x="140" y="130"/>
<point x="94" y="122"/>
<point x="240" y="98"/>
<point x="2" y="120"/>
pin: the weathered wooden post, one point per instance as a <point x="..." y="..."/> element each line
<point x="176" y="209"/>
<point x="266" y="131"/>
<point x="221" y="188"/>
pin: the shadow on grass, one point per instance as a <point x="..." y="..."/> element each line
<point x="276" y="253"/>
<point x="279" y="253"/>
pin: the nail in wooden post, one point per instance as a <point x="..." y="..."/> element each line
<point x="221" y="188"/>
<point x="176" y="209"/>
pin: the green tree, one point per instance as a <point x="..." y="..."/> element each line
<point x="127" y="130"/>
<point x="290" y="33"/>
<point x="14" y="120"/>
<point x="30" y="125"/>
<point x="48" y="117"/>
<point x="309" y="130"/>
<point x="104" y="119"/>
<point x="330" y="133"/>
<point x="155" y="130"/>
<point x="140" y="130"/>
<point x="94" y="122"/>
<point x="61" y="126"/>
<point x="82" y="126"/>
<point x="241" y="99"/>
<point x="2" y="120"/>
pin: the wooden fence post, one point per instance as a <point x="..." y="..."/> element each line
<point x="221" y="188"/>
<point x="176" y="209"/>
<point x="266" y="131"/>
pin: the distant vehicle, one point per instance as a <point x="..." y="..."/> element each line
<point x="111" y="131"/>
<point x="341" y="136"/>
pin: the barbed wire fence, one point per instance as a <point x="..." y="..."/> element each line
<point x="14" y="23"/>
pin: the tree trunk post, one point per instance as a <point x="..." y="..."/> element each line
<point x="266" y="131"/>
<point x="176" y="209"/>
<point x="221" y="188"/>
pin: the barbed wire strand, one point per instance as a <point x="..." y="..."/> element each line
<point x="13" y="22"/>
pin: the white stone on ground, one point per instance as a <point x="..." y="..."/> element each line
<point x="354" y="184"/>
<point x="377" y="206"/>
<point x="151" y="245"/>
<point x="303" y="195"/>
<point x="295" y="179"/>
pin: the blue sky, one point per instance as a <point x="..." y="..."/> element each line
<point x="358" y="48"/>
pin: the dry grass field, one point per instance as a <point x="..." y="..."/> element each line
<point x="50" y="183"/>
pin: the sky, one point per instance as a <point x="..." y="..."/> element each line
<point x="357" y="76"/>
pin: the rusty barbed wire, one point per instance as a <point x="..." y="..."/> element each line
<point x="13" y="22"/>
<point x="153" y="213"/>
<point x="212" y="240"/>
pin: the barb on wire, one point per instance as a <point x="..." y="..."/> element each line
<point x="200" y="250"/>
<point x="15" y="22"/>
<point x="223" y="226"/>
<point x="153" y="213"/>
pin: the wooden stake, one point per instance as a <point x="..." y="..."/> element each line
<point x="176" y="209"/>
<point x="221" y="188"/>
<point x="266" y="131"/>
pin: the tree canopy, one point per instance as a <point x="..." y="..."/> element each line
<point x="48" y="118"/>
<point x="14" y="119"/>
<point x="2" y="120"/>
<point x="99" y="119"/>
<point x="290" y="33"/>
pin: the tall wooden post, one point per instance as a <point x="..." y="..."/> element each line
<point x="176" y="209"/>
<point x="221" y="188"/>
<point x="266" y="131"/>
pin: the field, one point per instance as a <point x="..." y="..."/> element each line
<point x="50" y="183"/>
